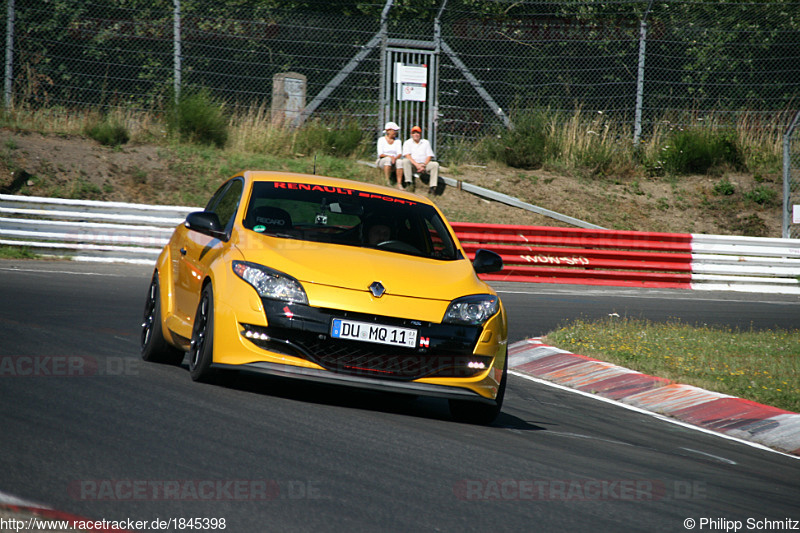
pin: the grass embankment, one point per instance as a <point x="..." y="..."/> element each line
<point x="763" y="366"/>
<point x="590" y="145"/>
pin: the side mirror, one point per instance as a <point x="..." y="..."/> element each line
<point x="206" y="223"/>
<point x="487" y="261"/>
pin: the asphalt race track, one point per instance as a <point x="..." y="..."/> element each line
<point x="90" y="429"/>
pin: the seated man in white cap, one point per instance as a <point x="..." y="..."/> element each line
<point x="389" y="152"/>
<point x="418" y="158"/>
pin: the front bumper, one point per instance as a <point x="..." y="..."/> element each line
<point x="294" y="340"/>
<point x="442" y="350"/>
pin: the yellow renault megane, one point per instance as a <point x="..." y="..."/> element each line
<point x="325" y="279"/>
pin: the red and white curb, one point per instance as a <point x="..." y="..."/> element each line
<point x="24" y="511"/>
<point x="735" y="417"/>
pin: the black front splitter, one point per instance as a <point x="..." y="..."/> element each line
<point x="325" y="376"/>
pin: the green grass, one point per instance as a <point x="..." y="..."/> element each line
<point x="697" y="151"/>
<point x="763" y="366"/>
<point x="763" y="196"/>
<point x="16" y="252"/>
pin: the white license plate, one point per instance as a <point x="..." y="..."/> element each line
<point x="370" y="332"/>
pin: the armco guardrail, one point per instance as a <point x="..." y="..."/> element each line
<point x="88" y="230"/>
<point x="571" y="255"/>
<point x="134" y="233"/>
<point x="638" y="259"/>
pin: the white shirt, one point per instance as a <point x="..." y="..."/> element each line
<point x="418" y="151"/>
<point x="389" y="149"/>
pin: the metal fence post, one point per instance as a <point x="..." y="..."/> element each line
<point x="9" y="76"/>
<point x="433" y="110"/>
<point x="637" y="121"/>
<point x="384" y="43"/>
<point x="787" y="176"/>
<point x="176" y="31"/>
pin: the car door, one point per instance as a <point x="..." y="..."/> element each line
<point x="197" y="251"/>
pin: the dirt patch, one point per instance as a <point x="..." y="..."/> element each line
<point x="77" y="167"/>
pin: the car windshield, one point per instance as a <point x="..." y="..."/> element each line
<point x="350" y="217"/>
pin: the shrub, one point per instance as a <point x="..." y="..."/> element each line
<point x="724" y="188"/>
<point x="762" y="195"/>
<point x="197" y="117"/>
<point x="109" y="133"/>
<point x="696" y="151"/>
<point x="339" y="141"/>
<point x="599" y="159"/>
<point x="344" y="141"/>
<point x="526" y="146"/>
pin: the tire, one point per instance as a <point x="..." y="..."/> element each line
<point x="201" y="353"/>
<point x="480" y="413"/>
<point x="154" y="347"/>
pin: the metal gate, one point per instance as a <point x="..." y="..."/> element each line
<point x="410" y="88"/>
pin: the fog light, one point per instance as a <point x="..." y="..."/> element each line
<point x="256" y="335"/>
<point x="476" y="364"/>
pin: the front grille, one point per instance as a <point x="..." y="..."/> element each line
<point x="362" y="358"/>
<point x="374" y="360"/>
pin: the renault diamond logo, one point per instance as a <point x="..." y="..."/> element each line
<point x="377" y="289"/>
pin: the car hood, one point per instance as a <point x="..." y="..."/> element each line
<point x="354" y="268"/>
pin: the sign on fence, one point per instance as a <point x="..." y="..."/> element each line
<point x="412" y="82"/>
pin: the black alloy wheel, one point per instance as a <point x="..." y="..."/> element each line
<point x="201" y="351"/>
<point x="154" y="347"/>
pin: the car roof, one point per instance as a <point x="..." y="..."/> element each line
<point x="327" y="181"/>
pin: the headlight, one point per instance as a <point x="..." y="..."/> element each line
<point x="472" y="310"/>
<point x="271" y="283"/>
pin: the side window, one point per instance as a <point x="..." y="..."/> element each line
<point x="440" y="241"/>
<point x="228" y="202"/>
<point x="215" y="198"/>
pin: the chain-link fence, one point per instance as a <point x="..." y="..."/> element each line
<point x="640" y="63"/>
<point x="137" y="54"/>
<point x="634" y="61"/>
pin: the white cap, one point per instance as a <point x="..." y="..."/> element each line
<point x="391" y="126"/>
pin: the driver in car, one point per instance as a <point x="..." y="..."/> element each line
<point x="378" y="233"/>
